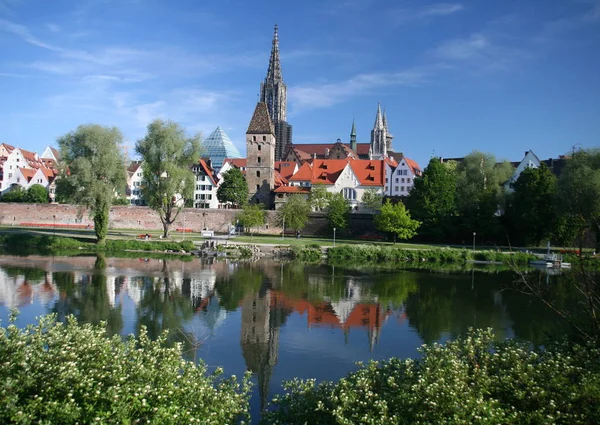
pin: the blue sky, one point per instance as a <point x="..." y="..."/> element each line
<point x="497" y="76"/>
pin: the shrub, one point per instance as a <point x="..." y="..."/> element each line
<point x="471" y="380"/>
<point x="306" y="253"/>
<point x="71" y="373"/>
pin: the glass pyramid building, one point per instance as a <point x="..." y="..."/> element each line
<point x="217" y="147"/>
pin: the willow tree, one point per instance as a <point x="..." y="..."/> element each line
<point x="92" y="171"/>
<point x="167" y="155"/>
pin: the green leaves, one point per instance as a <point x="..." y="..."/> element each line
<point x="92" y="170"/>
<point x="233" y="188"/>
<point x="251" y="216"/>
<point x="338" y="210"/>
<point x="294" y="213"/>
<point x="71" y="373"/>
<point x="394" y="218"/>
<point x="167" y="155"/>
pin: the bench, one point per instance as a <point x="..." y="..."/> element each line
<point x="144" y="236"/>
<point x="369" y="238"/>
<point x="183" y="230"/>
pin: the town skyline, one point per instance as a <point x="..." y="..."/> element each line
<point x="503" y="80"/>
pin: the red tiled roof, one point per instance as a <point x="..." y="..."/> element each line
<point x="304" y="173"/>
<point x="279" y="179"/>
<point x="236" y="162"/>
<point x="369" y="172"/>
<point x="414" y="167"/>
<point x="133" y="167"/>
<point x="321" y="148"/>
<point x="327" y="171"/>
<point x="286" y="169"/>
<point x="208" y="171"/>
<point x="292" y="189"/>
<point x="28" y="173"/>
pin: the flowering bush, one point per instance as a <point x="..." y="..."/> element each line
<point x="468" y="381"/>
<point x="55" y="373"/>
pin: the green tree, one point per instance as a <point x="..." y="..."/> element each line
<point x="92" y="171"/>
<point x="394" y="218"/>
<point x="37" y="194"/>
<point x="294" y="213"/>
<point x="372" y="200"/>
<point x="480" y="192"/>
<point x="168" y="180"/>
<point x="234" y="188"/>
<point x="530" y="212"/>
<point x="16" y="194"/>
<point x="251" y="216"/>
<point x="433" y="200"/>
<point x="338" y="211"/>
<point x="579" y="194"/>
<point x="319" y="197"/>
<point x="121" y="200"/>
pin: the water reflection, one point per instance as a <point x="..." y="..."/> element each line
<point x="278" y="321"/>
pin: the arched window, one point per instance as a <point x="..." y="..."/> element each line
<point x="349" y="193"/>
<point x="258" y="174"/>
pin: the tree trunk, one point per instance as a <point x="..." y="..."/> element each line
<point x="166" y="226"/>
<point x="101" y="223"/>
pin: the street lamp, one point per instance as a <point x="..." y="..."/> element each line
<point x="283" y="231"/>
<point x="474" y="234"/>
<point x="204" y="215"/>
<point x="184" y="225"/>
<point x="54" y="227"/>
<point x="334" y="237"/>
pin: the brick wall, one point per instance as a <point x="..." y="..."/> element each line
<point x="143" y="218"/>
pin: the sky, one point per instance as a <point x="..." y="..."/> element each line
<point x="497" y="76"/>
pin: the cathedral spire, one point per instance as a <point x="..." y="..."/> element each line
<point x="378" y="118"/>
<point x="385" y="120"/>
<point x="274" y="71"/>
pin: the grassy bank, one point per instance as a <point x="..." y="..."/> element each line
<point x="393" y="254"/>
<point x="19" y="243"/>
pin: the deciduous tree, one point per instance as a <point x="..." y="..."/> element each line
<point x="338" y="211"/>
<point x="168" y="180"/>
<point x="37" y="194"/>
<point x="319" y="197"/>
<point x="395" y="219"/>
<point x="371" y="200"/>
<point x="234" y="188"/>
<point x="294" y="213"/>
<point x="92" y="171"/>
<point x="433" y="200"/>
<point x="251" y="216"/>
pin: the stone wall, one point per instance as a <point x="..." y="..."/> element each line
<point x="143" y="218"/>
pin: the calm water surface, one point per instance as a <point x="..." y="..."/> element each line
<point x="279" y="321"/>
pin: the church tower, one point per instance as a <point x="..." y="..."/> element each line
<point x="273" y="92"/>
<point x="260" y="151"/>
<point x="353" y="138"/>
<point x="379" y="137"/>
<point x="388" y="135"/>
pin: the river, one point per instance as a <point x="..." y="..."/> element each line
<point x="279" y="321"/>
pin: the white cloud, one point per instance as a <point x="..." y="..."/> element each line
<point x="311" y="96"/>
<point x="53" y="27"/>
<point x="461" y="49"/>
<point x="403" y="15"/>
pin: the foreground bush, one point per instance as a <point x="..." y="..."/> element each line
<point x="468" y="381"/>
<point x="54" y="373"/>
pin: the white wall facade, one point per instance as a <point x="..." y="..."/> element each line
<point x="205" y="191"/>
<point x="399" y="180"/>
<point x="530" y="160"/>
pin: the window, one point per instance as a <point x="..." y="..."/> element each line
<point x="402" y="180"/>
<point x="396" y="179"/>
<point x="9" y="175"/>
<point x="258" y="174"/>
<point x="399" y="172"/>
<point x="401" y="188"/>
<point x="349" y="193"/>
<point x="258" y="159"/>
<point x="264" y="138"/>
<point x="257" y="187"/>
<point x="254" y="138"/>
<point x="395" y="188"/>
<point x="406" y="172"/>
<point x="259" y="147"/>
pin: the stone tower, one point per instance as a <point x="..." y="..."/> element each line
<point x="260" y="151"/>
<point x="379" y="137"/>
<point x="273" y="92"/>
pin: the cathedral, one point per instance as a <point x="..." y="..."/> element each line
<point x="273" y="92"/>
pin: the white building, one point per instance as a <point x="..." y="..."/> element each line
<point x="205" y="190"/>
<point x="400" y="177"/>
<point x="530" y="160"/>
<point x="19" y="167"/>
<point x="133" y="192"/>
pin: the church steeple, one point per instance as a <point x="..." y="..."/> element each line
<point x="273" y="92"/>
<point x="378" y="118"/>
<point x="274" y="71"/>
<point x="353" y="137"/>
<point x="379" y="137"/>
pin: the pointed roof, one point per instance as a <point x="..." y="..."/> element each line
<point x="218" y="146"/>
<point x="385" y="120"/>
<point x="353" y="132"/>
<point x="274" y="71"/>
<point x="378" y="117"/>
<point x="261" y="122"/>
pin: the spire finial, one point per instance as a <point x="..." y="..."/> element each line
<point x="274" y="71"/>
